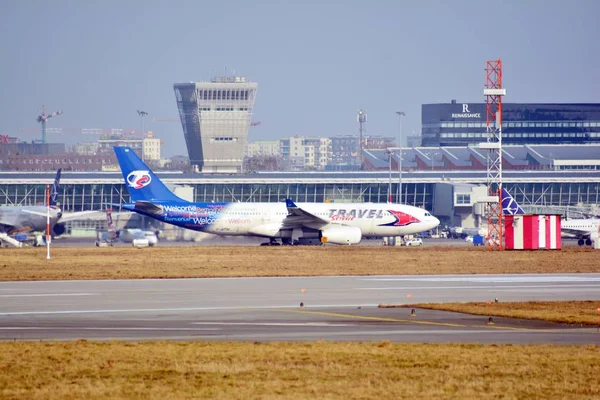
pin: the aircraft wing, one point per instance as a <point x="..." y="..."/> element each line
<point x="298" y="217"/>
<point x="41" y="214"/>
<point x="80" y="215"/>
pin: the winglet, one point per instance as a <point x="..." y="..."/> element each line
<point x="510" y="205"/>
<point x="290" y="204"/>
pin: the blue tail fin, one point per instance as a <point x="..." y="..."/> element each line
<point x="141" y="182"/>
<point x="54" y="190"/>
<point x="510" y="205"/>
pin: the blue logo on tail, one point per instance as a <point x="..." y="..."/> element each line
<point x="139" y="179"/>
<point x="510" y="205"/>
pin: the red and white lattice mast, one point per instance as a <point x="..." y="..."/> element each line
<point x="493" y="93"/>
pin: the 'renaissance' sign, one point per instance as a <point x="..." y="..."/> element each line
<point x="466" y="113"/>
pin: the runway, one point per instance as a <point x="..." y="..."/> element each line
<point x="268" y="309"/>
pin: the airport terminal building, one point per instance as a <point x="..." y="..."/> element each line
<point x="449" y="195"/>
<point x="462" y="124"/>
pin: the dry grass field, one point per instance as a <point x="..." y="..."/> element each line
<point x="230" y="261"/>
<point x="168" y="370"/>
<point x="568" y="312"/>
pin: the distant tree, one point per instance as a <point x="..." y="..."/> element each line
<point x="262" y="163"/>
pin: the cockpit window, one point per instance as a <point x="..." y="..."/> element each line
<point x="427" y="214"/>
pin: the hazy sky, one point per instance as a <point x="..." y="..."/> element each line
<point x="316" y="62"/>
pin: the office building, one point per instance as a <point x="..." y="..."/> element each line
<point x="263" y="148"/>
<point x="461" y="124"/>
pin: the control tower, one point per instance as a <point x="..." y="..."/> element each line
<point x="215" y="117"/>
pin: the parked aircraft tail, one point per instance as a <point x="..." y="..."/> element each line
<point x="55" y="187"/>
<point x="141" y="182"/>
<point x="510" y="205"/>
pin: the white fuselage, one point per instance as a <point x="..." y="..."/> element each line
<point x="268" y="219"/>
<point x="579" y="227"/>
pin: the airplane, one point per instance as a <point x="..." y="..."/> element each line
<point x="584" y="230"/>
<point x="18" y="221"/>
<point x="126" y="235"/>
<point x="292" y="223"/>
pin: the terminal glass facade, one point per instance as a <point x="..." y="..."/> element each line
<point x="80" y="197"/>
<point x="460" y="124"/>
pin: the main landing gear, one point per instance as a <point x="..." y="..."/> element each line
<point x="290" y="242"/>
<point x="271" y="242"/>
<point x="587" y="242"/>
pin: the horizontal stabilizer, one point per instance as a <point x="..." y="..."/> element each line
<point x="147" y="207"/>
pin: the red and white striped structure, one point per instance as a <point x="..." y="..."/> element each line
<point x="532" y="232"/>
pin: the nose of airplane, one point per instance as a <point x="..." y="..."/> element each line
<point x="434" y="222"/>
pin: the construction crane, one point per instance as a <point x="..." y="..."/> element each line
<point x="87" y="131"/>
<point x="43" y="118"/>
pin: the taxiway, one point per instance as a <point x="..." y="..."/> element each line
<point x="268" y="309"/>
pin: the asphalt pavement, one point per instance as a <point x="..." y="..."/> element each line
<point x="276" y="309"/>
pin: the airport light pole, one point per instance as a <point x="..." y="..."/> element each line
<point x="400" y="114"/>
<point x="390" y="181"/>
<point x="47" y="222"/>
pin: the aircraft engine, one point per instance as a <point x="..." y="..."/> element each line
<point x="58" y="229"/>
<point x="341" y="234"/>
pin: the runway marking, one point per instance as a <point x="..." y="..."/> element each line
<point x="492" y="279"/>
<point x="49" y="294"/>
<point x="385" y="332"/>
<point x="177" y="309"/>
<point x="498" y="287"/>
<point x="75" y="328"/>
<point x="412" y="321"/>
<point x="588" y="277"/>
<point x="316" y="324"/>
<point x="379" y="319"/>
